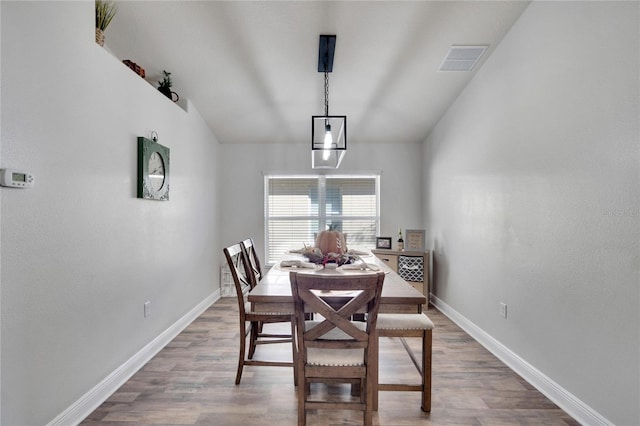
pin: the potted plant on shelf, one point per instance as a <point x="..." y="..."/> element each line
<point x="105" y="11"/>
<point x="165" y="86"/>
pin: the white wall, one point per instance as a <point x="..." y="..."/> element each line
<point x="531" y="196"/>
<point x="80" y="253"/>
<point x="0" y="226"/>
<point x="245" y="165"/>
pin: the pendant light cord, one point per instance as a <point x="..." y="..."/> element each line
<point x="326" y="93"/>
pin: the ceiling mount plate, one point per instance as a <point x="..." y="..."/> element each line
<point x="326" y="51"/>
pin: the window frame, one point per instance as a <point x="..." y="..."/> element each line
<point x="321" y="217"/>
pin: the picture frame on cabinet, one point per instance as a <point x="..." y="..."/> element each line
<point x="383" y="243"/>
<point x="414" y="240"/>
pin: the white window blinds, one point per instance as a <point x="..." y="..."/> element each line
<point x="298" y="207"/>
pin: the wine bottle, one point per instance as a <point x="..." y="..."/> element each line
<point x="400" y="240"/>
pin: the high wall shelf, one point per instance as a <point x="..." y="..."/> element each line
<point x="182" y="102"/>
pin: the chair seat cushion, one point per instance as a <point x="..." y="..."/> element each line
<point x="247" y="309"/>
<point x="335" y="357"/>
<point x="404" y="322"/>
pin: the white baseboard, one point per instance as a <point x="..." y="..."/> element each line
<point x="577" y="409"/>
<point x="80" y="409"/>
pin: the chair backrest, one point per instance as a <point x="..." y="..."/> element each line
<point x="240" y="271"/>
<point x="252" y="258"/>
<point x="336" y="298"/>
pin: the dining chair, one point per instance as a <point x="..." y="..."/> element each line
<point x="403" y="326"/>
<point x="253" y="262"/>
<point x="251" y="321"/>
<point x="332" y="348"/>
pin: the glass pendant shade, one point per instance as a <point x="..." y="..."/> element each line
<point x="328" y="141"/>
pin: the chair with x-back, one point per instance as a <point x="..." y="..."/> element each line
<point x="253" y="260"/>
<point x="332" y="348"/>
<point x="250" y="321"/>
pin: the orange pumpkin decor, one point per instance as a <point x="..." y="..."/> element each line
<point x="331" y="242"/>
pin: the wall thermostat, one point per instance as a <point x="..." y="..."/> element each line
<point x="16" y="179"/>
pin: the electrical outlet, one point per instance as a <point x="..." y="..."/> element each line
<point x="503" y="309"/>
<point x="147" y="309"/>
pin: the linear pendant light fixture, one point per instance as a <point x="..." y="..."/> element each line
<point x="328" y="132"/>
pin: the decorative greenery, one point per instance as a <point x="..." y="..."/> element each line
<point x="105" y="11"/>
<point x="316" y="256"/>
<point x="166" y="82"/>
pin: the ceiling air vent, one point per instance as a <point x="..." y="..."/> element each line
<point x="462" y="58"/>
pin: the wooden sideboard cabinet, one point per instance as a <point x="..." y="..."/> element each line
<point x="413" y="266"/>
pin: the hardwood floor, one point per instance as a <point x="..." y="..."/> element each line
<point x="191" y="382"/>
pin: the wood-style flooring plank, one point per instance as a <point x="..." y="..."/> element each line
<point x="191" y="382"/>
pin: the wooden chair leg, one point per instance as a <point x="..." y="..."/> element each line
<point x="368" y="391"/>
<point x="243" y="339"/>
<point x="303" y="391"/>
<point x="253" y="338"/>
<point x="294" y="352"/>
<point x="423" y="365"/>
<point x="426" y="371"/>
<point x="375" y="374"/>
<point x="356" y="389"/>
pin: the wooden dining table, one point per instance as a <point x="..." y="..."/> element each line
<point x="273" y="293"/>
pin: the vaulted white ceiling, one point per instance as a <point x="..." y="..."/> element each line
<point x="250" y="67"/>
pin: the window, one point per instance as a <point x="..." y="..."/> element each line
<point x="298" y="207"/>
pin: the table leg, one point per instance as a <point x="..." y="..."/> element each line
<point x="374" y="365"/>
<point x="294" y="349"/>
